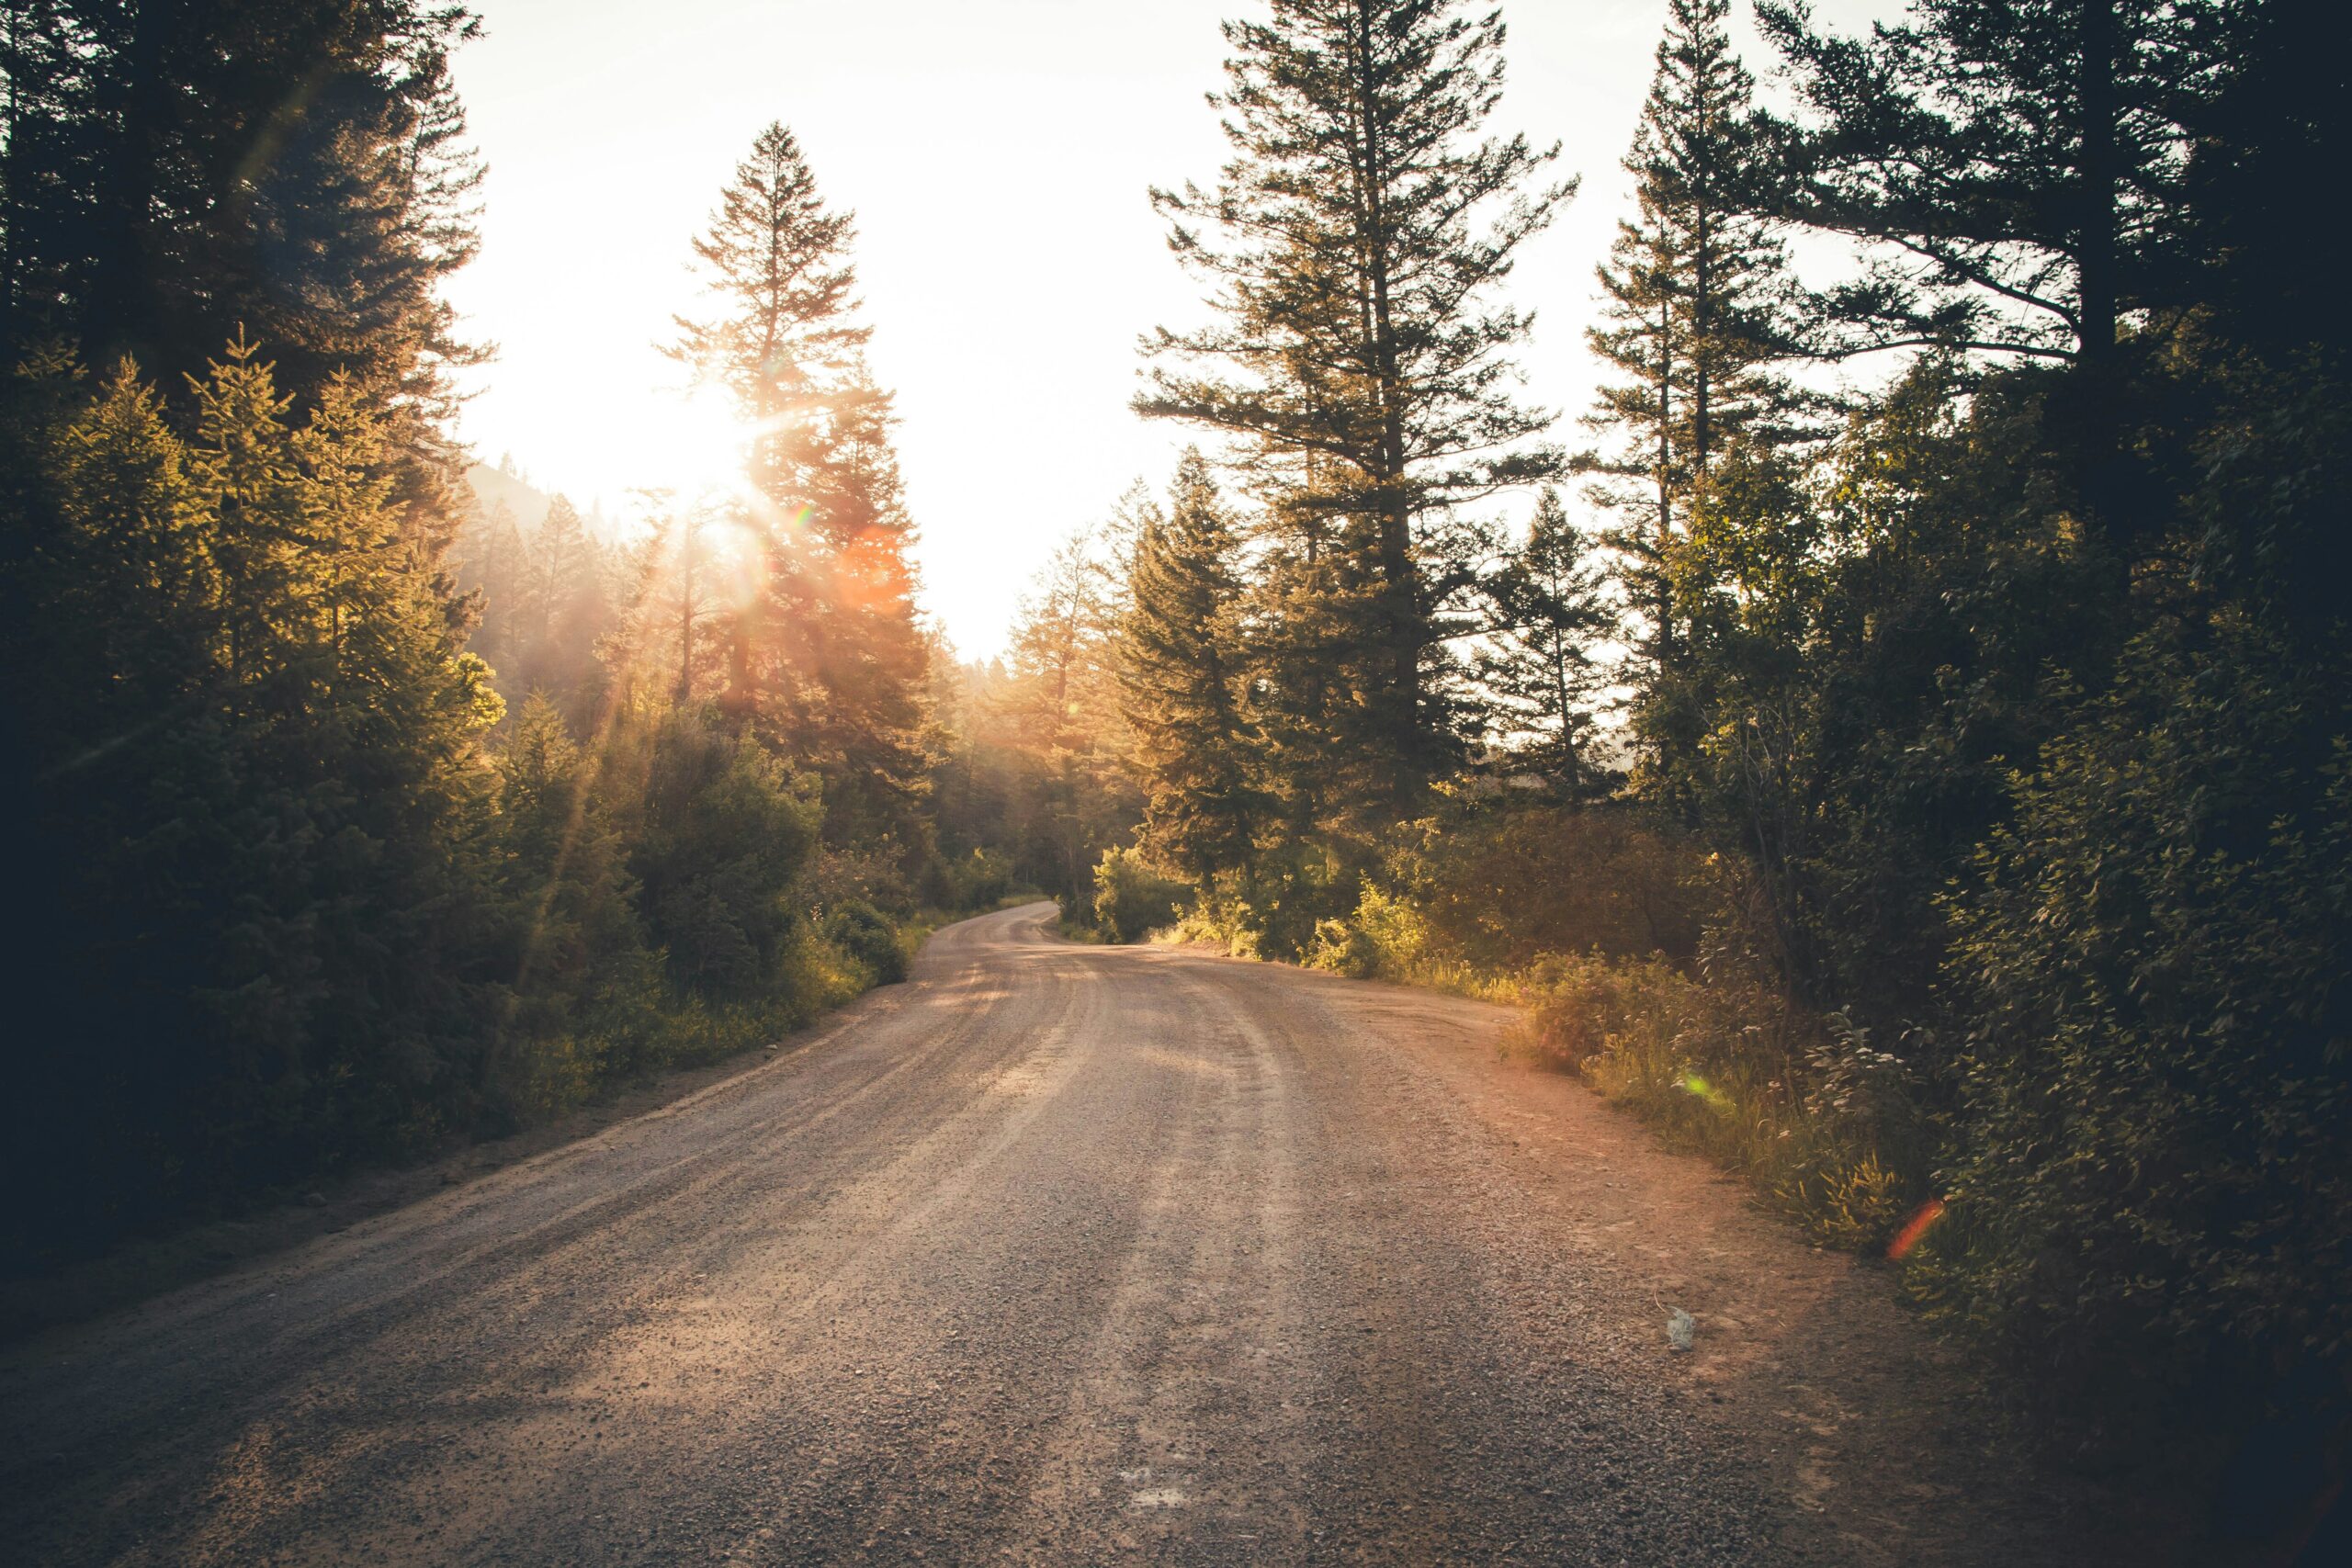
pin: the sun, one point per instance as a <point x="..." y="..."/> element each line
<point x="694" y="444"/>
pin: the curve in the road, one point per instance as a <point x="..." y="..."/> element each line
<point x="1055" y="1254"/>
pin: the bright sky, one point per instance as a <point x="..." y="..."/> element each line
<point x="996" y="153"/>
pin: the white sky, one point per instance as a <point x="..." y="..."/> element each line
<point x="996" y="152"/>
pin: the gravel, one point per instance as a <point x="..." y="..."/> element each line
<point x="1054" y="1254"/>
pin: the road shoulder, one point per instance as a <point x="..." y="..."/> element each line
<point x="1891" y="1443"/>
<point x="144" y="1269"/>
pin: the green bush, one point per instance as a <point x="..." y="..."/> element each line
<point x="1500" y="885"/>
<point x="1278" y="908"/>
<point x="1800" y="1105"/>
<point x="1132" y="899"/>
<point x="870" y="874"/>
<point x="980" y="880"/>
<point x="2155" y="1166"/>
<point x="1387" y="937"/>
<point x="870" y="939"/>
<point x="723" y="836"/>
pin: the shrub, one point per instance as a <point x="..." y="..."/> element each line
<point x="1731" y="1070"/>
<point x="980" y="880"/>
<point x="725" y="833"/>
<point x="1499" y="886"/>
<point x="2155" y="1171"/>
<point x="869" y="938"/>
<point x="1131" y="899"/>
<point x="1291" y="890"/>
<point x="1342" y="947"/>
<point x="871" y="874"/>
<point x="1387" y="937"/>
<point x="1215" y="923"/>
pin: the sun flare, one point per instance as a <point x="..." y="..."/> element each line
<point x="695" y="443"/>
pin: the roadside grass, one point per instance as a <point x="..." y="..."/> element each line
<point x="569" y="1085"/>
<point x="1798" y="1105"/>
<point x="1821" y="1126"/>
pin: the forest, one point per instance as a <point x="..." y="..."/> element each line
<point x="1898" y="740"/>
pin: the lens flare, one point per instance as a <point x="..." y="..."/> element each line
<point x="1917" y="1226"/>
<point x="737" y="563"/>
<point x="1700" y="1088"/>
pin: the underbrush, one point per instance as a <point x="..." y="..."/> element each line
<point x="1600" y="929"/>
<point x="654" y="1028"/>
<point x="1800" y="1105"/>
<point x="1131" y="899"/>
<point x="1389" y="938"/>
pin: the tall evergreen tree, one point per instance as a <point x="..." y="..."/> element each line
<point x="129" y="572"/>
<point x="295" y="170"/>
<point x="2021" y="165"/>
<point x="265" y="865"/>
<point x="783" y="291"/>
<point x="859" y="718"/>
<point x="775" y="269"/>
<point x="2017" y="174"/>
<point x="1060" y="703"/>
<point x="1354" y="239"/>
<point x="1693" y="287"/>
<point x="490" y="569"/>
<point x="1182" y="670"/>
<point x="827" y="657"/>
<point x="1538" y="666"/>
<point x="674" y="605"/>
<point x="564" y="609"/>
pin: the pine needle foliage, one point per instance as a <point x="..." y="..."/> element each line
<point x="1694" y="318"/>
<point x="1538" y="668"/>
<point x="1182" y="680"/>
<point x="1353" y="243"/>
<point x="825" y="661"/>
<point x="782" y="288"/>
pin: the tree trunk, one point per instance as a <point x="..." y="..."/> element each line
<point x="2097" y="262"/>
<point x="1399" y="593"/>
<point x="686" y="614"/>
<point x="1664" y="592"/>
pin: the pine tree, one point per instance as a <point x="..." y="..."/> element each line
<point x="858" y="646"/>
<point x="493" y="560"/>
<point x="264" y="809"/>
<point x="294" y="170"/>
<point x="776" y="264"/>
<point x="49" y="132"/>
<point x="828" y="659"/>
<point x="2017" y="174"/>
<point x="669" y="622"/>
<point x="1538" y="666"/>
<point x="1695" y="287"/>
<point x="365" y="591"/>
<point x="780" y="335"/>
<point x="128" y="579"/>
<point x="1355" y="238"/>
<point x="244" y="451"/>
<point x="563" y="610"/>
<point x="1181" y="669"/>
<point x="1059" y="704"/>
<point x="2023" y="161"/>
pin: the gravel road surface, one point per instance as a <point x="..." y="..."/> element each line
<point x="1055" y="1254"/>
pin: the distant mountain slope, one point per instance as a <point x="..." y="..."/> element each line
<point x="491" y="486"/>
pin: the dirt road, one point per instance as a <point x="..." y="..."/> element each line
<point x="1056" y="1253"/>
